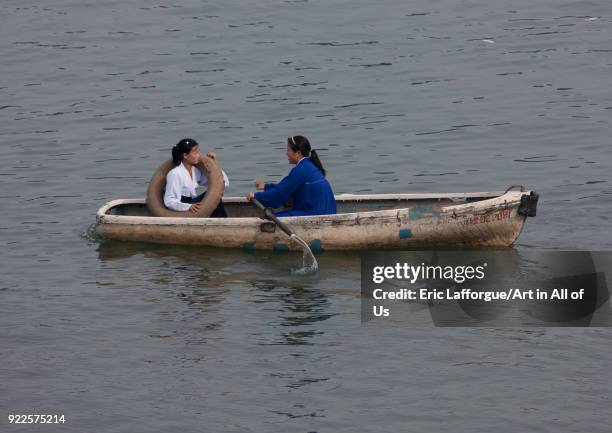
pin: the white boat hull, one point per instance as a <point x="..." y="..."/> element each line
<point x="463" y="220"/>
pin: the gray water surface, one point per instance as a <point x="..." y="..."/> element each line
<point x="423" y="96"/>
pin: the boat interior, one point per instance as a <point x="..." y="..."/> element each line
<point x="239" y="208"/>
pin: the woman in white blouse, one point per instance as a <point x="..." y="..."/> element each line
<point x="183" y="180"/>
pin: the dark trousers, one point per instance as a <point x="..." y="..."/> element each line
<point x="219" y="211"/>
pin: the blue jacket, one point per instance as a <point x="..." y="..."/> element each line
<point x="311" y="192"/>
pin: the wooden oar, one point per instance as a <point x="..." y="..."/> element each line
<point x="313" y="265"/>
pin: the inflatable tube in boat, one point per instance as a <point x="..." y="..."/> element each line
<point x="157" y="185"/>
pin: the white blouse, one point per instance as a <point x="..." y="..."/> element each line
<point x="179" y="183"/>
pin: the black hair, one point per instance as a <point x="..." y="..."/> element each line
<point x="183" y="146"/>
<point x="299" y="143"/>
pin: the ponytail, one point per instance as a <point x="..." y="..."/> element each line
<point x="316" y="161"/>
<point x="176" y="155"/>
<point x="182" y="147"/>
<point x="299" y="143"/>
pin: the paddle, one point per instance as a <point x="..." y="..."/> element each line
<point x="312" y="266"/>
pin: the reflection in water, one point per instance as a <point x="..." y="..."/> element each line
<point x="199" y="280"/>
<point x="223" y="266"/>
<point x="225" y="290"/>
<point x="298" y="306"/>
<point x="204" y="278"/>
<point x="301" y="311"/>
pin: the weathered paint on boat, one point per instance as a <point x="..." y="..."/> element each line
<point x="380" y="221"/>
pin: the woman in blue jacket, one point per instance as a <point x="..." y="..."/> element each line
<point x="305" y="184"/>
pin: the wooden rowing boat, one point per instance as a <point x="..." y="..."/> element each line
<point x="363" y="222"/>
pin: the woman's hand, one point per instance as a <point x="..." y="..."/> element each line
<point x="211" y="155"/>
<point x="260" y="185"/>
<point x="250" y="196"/>
<point x="195" y="208"/>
